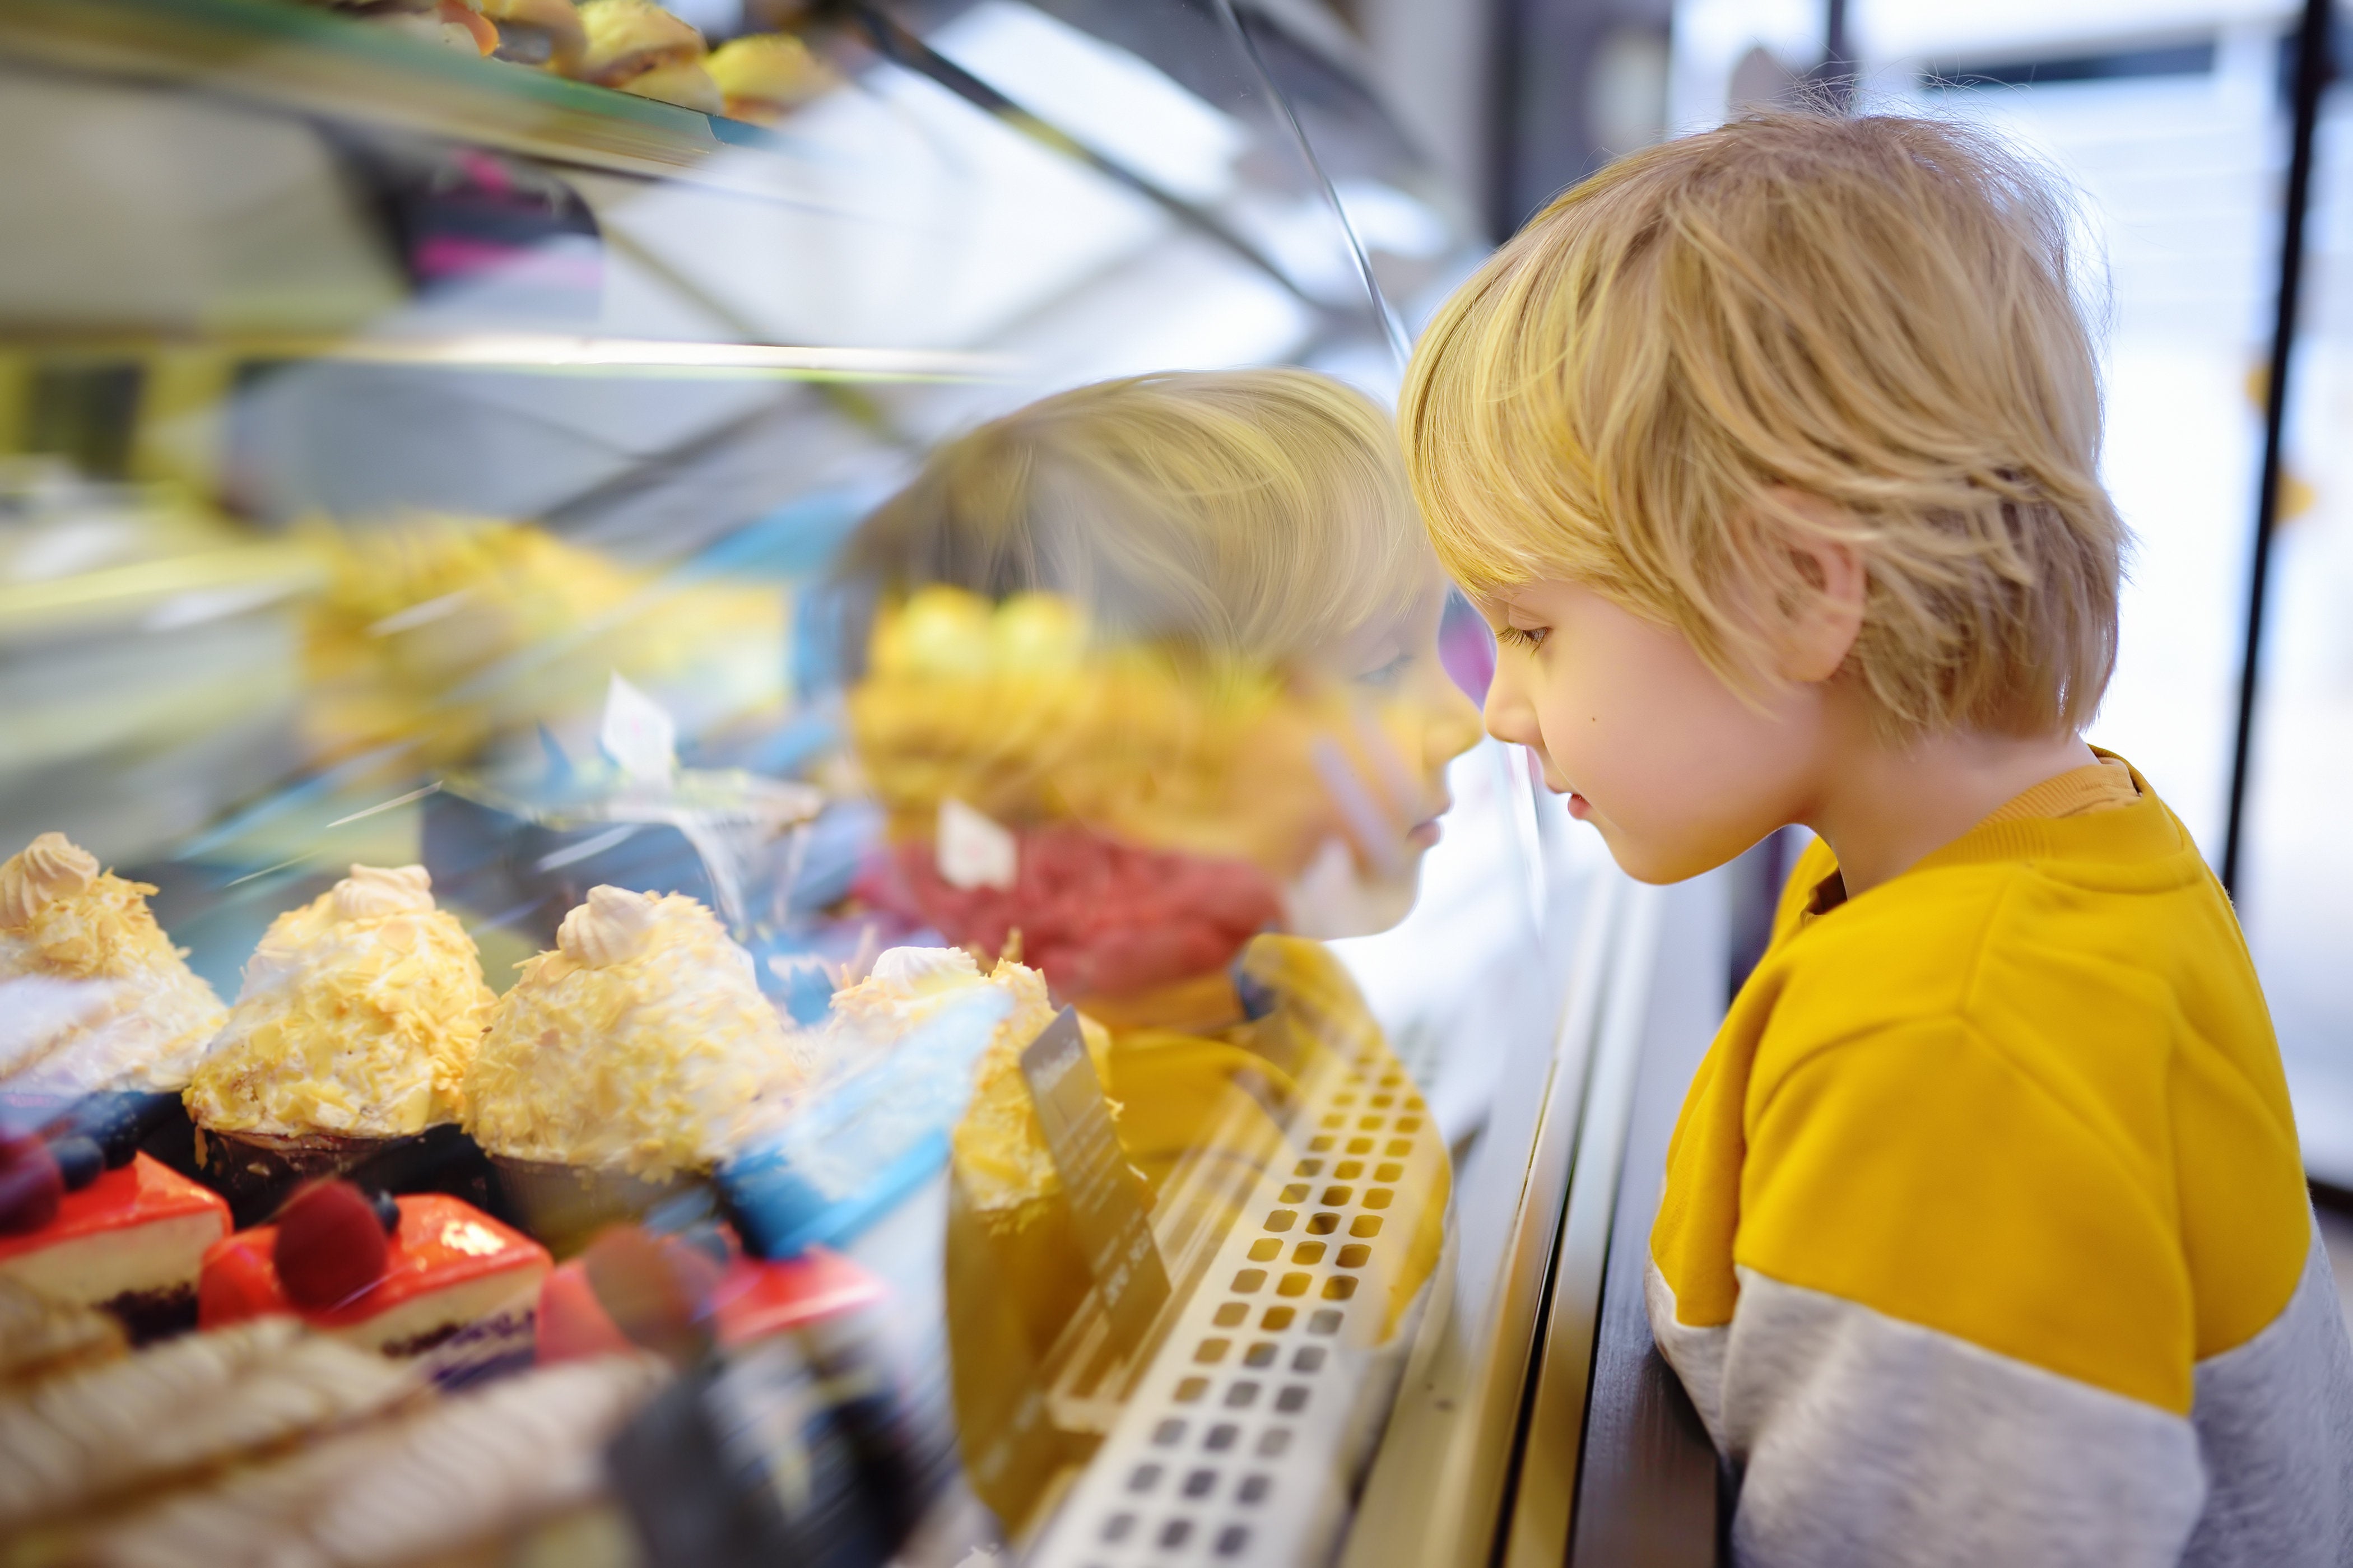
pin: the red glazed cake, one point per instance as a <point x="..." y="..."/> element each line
<point x="131" y="1241"/>
<point x="449" y="1286"/>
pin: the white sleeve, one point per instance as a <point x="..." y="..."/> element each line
<point x="1863" y="1441"/>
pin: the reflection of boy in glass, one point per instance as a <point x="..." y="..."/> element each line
<point x="1177" y="635"/>
<point x="1241" y="671"/>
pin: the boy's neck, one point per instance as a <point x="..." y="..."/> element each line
<point x="1882" y="808"/>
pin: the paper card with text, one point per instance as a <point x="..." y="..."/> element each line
<point x="1107" y="1201"/>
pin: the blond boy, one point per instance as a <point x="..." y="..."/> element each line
<point x="1772" y="454"/>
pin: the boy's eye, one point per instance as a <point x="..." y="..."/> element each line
<point x="1389" y="674"/>
<point x="1528" y="638"/>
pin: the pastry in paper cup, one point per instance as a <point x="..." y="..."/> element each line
<point x="356" y="1027"/>
<point x="623" y="1065"/>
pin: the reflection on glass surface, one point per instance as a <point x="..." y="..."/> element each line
<point x="683" y="714"/>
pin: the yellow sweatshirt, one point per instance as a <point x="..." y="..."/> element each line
<point x="1984" y="1236"/>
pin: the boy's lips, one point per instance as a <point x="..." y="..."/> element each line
<point x="1579" y="807"/>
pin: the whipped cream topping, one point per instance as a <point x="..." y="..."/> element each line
<point x="51" y="866"/>
<point x="915" y="971"/>
<point x="614" y="926"/>
<point x="372" y="890"/>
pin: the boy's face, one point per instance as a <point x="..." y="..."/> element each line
<point x="1677" y="772"/>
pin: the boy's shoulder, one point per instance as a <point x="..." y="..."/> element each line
<point x="2100" y="988"/>
<point x="2042" y="920"/>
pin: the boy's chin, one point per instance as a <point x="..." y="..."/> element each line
<point x="1658" y="865"/>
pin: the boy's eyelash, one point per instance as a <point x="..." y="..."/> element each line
<point x="1529" y="637"/>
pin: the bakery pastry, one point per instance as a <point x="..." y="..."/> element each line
<point x="129" y="1241"/>
<point x="140" y="1019"/>
<point x="356" y="1025"/>
<point x="539" y="33"/>
<point x="439" y="632"/>
<point x="625" y="1061"/>
<point x="41" y="1337"/>
<point x="682" y="83"/>
<point x="76" y="1442"/>
<point x="626" y="38"/>
<point x="765" y="76"/>
<point x="453" y="1481"/>
<point x="445" y="1285"/>
<point x="745" y="1299"/>
<point x="452" y="24"/>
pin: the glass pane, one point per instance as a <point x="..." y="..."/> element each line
<point x="891" y="945"/>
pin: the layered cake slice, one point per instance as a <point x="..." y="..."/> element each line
<point x="442" y="1284"/>
<point x="132" y="1241"/>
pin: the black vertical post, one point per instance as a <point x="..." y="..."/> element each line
<point x="1836" y="77"/>
<point x="2313" y="58"/>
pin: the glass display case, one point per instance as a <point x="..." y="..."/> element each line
<point x="741" y="824"/>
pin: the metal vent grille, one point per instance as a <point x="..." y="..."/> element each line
<point x="1241" y="1440"/>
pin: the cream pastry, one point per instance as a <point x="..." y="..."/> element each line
<point x="41" y="1337"/>
<point x="645" y="48"/>
<point x="74" y="1443"/>
<point x="765" y="75"/>
<point x="141" y="1019"/>
<point x="359" y="1018"/>
<point x="457" y="1480"/>
<point x="642" y="1046"/>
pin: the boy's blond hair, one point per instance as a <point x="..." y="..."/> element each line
<point x="1878" y="311"/>
<point x="1257" y="515"/>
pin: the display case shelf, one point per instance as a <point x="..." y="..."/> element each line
<point x="292" y="57"/>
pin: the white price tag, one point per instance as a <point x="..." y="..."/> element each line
<point x="638" y="734"/>
<point x="975" y="852"/>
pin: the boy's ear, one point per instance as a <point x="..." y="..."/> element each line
<point x="1820" y="625"/>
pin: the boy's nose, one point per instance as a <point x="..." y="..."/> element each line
<point x="1508" y="715"/>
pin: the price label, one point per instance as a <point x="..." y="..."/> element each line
<point x="1107" y="1206"/>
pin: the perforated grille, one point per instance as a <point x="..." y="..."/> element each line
<point x="1240" y="1441"/>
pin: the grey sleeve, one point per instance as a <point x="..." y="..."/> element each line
<point x="1866" y="1441"/>
<point x="2275" y="1421"/>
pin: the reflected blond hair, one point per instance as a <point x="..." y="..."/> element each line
<point x="1880" y="311"/>
<point x="1256" y="515"/>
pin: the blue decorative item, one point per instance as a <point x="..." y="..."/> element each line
<point x="863" y="1143"/>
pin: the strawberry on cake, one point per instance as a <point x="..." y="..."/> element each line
<point x="424" y="1277"/>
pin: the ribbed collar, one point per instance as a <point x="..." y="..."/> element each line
<point x="2138" y="834"/>
<point x="2142" y="831"/>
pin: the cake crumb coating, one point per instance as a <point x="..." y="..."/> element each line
<point x="359" y="1017"/>
<point x="63" y="918"/>
<point x="641" y="1044"/>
